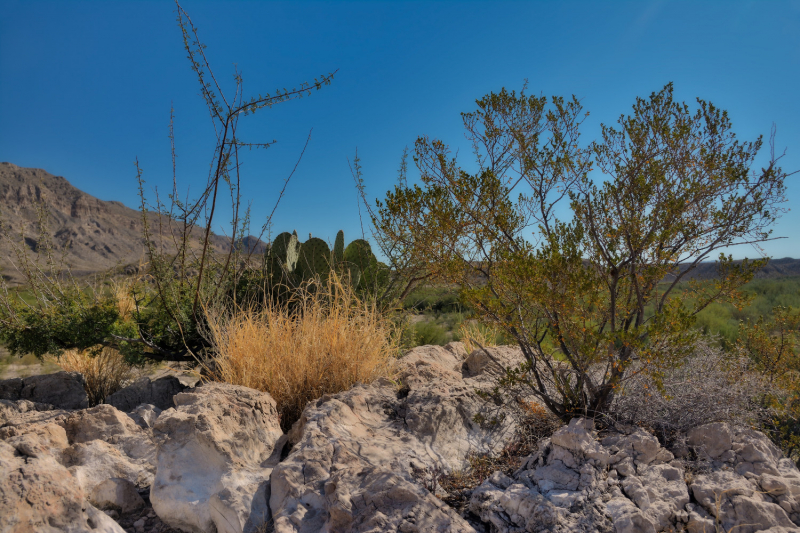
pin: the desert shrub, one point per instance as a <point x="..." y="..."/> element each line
<point x="564" y="244"/>
<point x="434" y="299"/>
<point x="772" y="347"/>
<point x="711" y="385"/>
<point x="536" y="422"/>
<point x="429" y="333"/>
<point x="325" y="341"/>
<point x="104" y="369"/>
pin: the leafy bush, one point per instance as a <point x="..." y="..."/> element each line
<point x="565" y="244"/>
<point x="434" y="299"/>
<point x="325" y="341"/>
<point x="426" y="332"/>
<point x="772" y="345"/>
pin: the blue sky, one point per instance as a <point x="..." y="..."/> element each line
<point x="86" y="86"/>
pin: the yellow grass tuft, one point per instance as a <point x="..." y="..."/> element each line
<point x="474" y="335"/>
<point x="126" y="305"/>
<point x="324" y="341"/>
<point x="103" y="368"/>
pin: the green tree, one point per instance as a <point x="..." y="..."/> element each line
<point x="575" y="250"/>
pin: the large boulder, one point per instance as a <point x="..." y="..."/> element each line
<point x="158" y="392"/>
<point x="37" y="494"/>
<point x="116" y="494"/>
<point x="106" y="443"/>
<point x="63" y="390"/>
<point x="216" y="451"/>
<point x="628" y="483"/>
<point x="368" y="459"/>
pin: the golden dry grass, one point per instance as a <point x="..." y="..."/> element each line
<point x="473" y="335"/>
<point x="329" y="341"/>
<point x="125" y="302"/>
<point x="103" y="368"/>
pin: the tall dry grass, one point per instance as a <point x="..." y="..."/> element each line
<point x="323" y="341"/>
<point x="475" y="335"/>
<point x="126" y="305"/>
<point x="104" y="369"/>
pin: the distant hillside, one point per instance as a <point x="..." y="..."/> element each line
<point x="98" y="235"/>
<point x="776" y="268"/>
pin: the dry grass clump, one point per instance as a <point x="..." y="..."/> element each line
<point x="125" y="301"/>
<point x="323" y="341"/>
<point x="104" y="369"/>
<point x="474" y="335"/>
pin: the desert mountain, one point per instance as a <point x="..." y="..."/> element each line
<point x="97" y="235"/>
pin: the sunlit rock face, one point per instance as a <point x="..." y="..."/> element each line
<point x="369" y="459"/>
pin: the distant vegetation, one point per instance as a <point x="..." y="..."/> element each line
<point x="441" y="313"/>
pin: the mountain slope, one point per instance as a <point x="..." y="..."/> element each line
<point x="96" y="234"/>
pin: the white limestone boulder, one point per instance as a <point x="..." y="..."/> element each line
<point x="37" y="494"/>
<point x="216" y="451"/>
<point x="385" y="444"/>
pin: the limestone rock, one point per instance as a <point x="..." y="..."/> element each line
<point x="64" y="390"/>
<point x="117" y="494"/>
<point x="710" y="439"/>
<point x="493" y="361"/>
<point x="159" y="393"/>
<point x="37" y="494"/>
<point x="375" y="443"/>
<point x="216" y="451"/>
<point x="145" y="415"/>
<point x="106" y="443"/>
<point x="564" y="488"/>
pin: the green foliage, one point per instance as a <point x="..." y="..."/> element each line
<point x="763" y="295"/>
<point x="434" y="299"/>
<point x="71" y="320"/>
<point x="773" y="345"/>
<point x="429" y="333"/>
<point x="653" y="197"/>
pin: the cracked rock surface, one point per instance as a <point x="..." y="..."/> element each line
<point x="368" y="460"/>
<point x="628" y="483"/>
<point x="361" y="458"/>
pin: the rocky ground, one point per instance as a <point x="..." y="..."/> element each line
<point x="167" y="456"/>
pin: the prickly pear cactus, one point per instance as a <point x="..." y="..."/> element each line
<point x="350" y="272"/>
<point x="338" y="249"/>
<point x="285" y="249"/>
<point x="290" y="262"/>
<point x="315" y="257"/>
<point x="359" y="252"/>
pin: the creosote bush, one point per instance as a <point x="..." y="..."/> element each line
<point x="104" y="369"/>
<point x="565" y="245"/>
<point x="325" y="340"/>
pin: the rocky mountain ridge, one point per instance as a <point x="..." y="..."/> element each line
<point x="96" y="235"/>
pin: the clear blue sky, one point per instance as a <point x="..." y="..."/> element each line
<point x="86" y="86"/>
